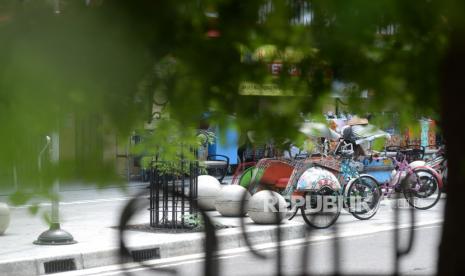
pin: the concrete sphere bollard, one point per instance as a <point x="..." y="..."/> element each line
<point x="208" y="188"/>
<point x="267" y="207"/>
<point x="4" y="217"/>
<point x="229" y="200"/>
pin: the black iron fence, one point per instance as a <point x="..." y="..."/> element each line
<point x="173" y="195"/>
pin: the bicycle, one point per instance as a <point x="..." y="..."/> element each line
<point x="319" y="180"/>
<point x="363" y="187"/>
<point x="419" y="184"/>
<point x="438" y="163"/>
<point x="361" y="193"/>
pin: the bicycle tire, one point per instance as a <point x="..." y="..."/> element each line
<point x="371" y="184"/>
<point x="412" y="197"/>
<point x="311" y="219"/>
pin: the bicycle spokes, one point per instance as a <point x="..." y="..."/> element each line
<point x="421" y="190"/>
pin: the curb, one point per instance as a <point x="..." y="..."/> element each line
<point x="193" y="245"/>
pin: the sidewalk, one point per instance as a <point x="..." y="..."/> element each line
<point x="91" y="216"/>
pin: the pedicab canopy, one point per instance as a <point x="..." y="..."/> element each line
<point x="316" y="179"/>
<point x="314" y="129"/>
<point x="355" y="121"/>
<point x="367" y="133"/>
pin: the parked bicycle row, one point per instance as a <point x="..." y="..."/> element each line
<point x="320" y="185"/>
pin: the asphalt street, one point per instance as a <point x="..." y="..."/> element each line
<point x="370" y="254"/>
<point x="90" y="215"/>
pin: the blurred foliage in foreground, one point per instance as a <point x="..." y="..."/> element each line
<point x="96" y="66"/>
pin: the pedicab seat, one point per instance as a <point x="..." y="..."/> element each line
<point x="282" y="183"/>
<point x="275" y="171"/>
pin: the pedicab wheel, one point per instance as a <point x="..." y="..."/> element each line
<point x="366" y="193"/>
<point x="421" y="189"/>
<point x="317" y="216"/>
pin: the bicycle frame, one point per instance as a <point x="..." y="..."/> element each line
<point x="403" y="167"/>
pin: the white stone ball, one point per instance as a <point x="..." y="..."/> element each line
<point x="228" y="202"/>
<point x="208" y="188"/>
<point x="4" y="217"/>
<point x="267" y="207"/>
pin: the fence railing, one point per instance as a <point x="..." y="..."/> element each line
<point x="211" y="265"/>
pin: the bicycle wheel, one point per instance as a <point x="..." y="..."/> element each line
<point x="421" y="189"/>
<point x="320" y="215"/>
<point x="363" y="197"/>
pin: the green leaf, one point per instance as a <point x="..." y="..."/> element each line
<point x="34" y="209"/>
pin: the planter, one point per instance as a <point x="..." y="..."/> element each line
<point x="207" y="190"/>
<point x="228" y="202"/>
<point x="4" y="217"/>
<point x="267" y="207"/>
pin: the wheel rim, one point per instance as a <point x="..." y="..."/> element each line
<point x="363" y="197"/>
<point x="422" y="190"/>
<point x="316" y="216"/>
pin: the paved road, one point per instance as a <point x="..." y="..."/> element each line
<point x="366" y="254"/>
<point x="81" y="192"/>
<point x="90" y="214"/>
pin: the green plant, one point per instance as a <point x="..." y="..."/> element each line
<point x="196" y="222"/>
<point x="171" y="153"/>
<point x="206" y="137"/>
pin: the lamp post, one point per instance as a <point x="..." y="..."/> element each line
<point x="54" y="235"/>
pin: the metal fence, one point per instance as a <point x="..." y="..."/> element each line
<point x="211" y="265"/>
<point x="170" y="194"/>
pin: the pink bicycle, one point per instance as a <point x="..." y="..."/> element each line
<point x="421" y="185"/>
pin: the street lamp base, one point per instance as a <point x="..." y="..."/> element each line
<point x="55" y="236"/>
